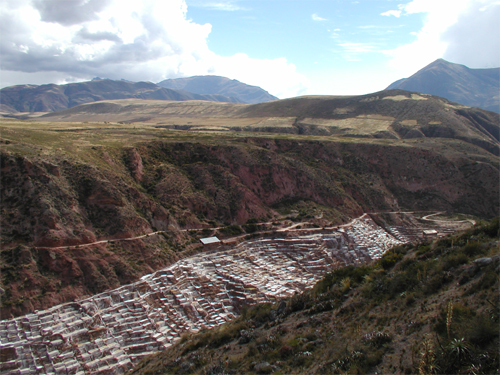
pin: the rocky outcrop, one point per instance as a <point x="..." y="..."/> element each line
<point x="135" y="165"/>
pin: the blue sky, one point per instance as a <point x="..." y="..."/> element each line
<point x="288" y="47"/>
<point x="306" y="32"/>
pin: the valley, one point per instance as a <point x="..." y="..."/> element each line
<point x="225" y="187"/>
<point x="111" y="331"/>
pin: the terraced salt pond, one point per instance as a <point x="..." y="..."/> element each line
<point x="109" y="332"/>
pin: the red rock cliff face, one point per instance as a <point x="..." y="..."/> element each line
<point x="135" y="164"/>
<point x="350" y="177"/>
<point x="61" y="201"/>
<point x="38" y="278"/>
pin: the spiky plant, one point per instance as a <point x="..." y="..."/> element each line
<point x="459" y="349"/>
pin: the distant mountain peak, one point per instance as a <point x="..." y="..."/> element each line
<point x="456" y="82"/>
<point x="217" y="85"/>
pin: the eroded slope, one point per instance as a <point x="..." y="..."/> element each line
<point x="64" y="185"/>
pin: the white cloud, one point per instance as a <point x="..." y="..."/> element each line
<point x="395" y="13"/>
<point x="351" y="51"/>
<point x="446" y="30"/>
<point x="315" y="17"/>
<point x="227" y="6"/>
<point x="144" y="40"/>
<point x="335" y="33"/>
<point x="277" y="76"/>
<point x="69" y="12"/>
<point x="474" y="40"/>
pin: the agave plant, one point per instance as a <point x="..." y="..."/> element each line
<point x="459" y="348"/>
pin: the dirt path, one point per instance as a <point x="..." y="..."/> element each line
<point x="473" y="222"/>
<point x="292" y="227"/>
<point x="99" y="242"/>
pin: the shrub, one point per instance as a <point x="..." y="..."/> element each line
<point x="355" y="275"/>
<point x="455" y="260"/>
<point x="401" y="282"/>
<point x="251" y="228"/>
<point x="488" y="280"/>
<point x="492" y="229"/>
<point x="260" y="313"/>
<point x="473" y="249"/>
<point x="206" y="232"/>
<point x="405" y="264"/>
<point x="299" y="302"/>
<point x="423" y="249"/>
<point x="285" y="351"/>
<point x="482" y="330"/>
<point x="389" y="260"/>
<point x="435" y="283"/>
<point x="377" y="339"/>
<point x="231" y="230"/>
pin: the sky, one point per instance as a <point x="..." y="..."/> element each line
<point x="287" y="47"/>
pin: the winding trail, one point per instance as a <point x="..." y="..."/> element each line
<point x="100" y="241"/>
<point x="230" y="239"/>
<point x="473" y="222"/>
<point x="293" y="227"/>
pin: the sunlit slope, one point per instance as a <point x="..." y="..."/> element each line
<point x="393" y="114"/>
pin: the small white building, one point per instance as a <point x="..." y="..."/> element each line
<point x="210" y="241"/>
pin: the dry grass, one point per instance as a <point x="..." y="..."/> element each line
<point x="359" y="125"/>
<point x="76" y="138"/>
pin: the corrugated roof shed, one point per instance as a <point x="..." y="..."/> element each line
<point x="209" y="240"/>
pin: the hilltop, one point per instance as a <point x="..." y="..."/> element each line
<point x="427" y="308"/>
<point x="392" y="114"/>
<point x="458" y="83"/>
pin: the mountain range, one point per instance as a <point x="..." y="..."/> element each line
<point x="52" y="97"/>
<point x="109" y="187"/>
<point x="458" y="83"/>
<point x="49" y="98"/>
